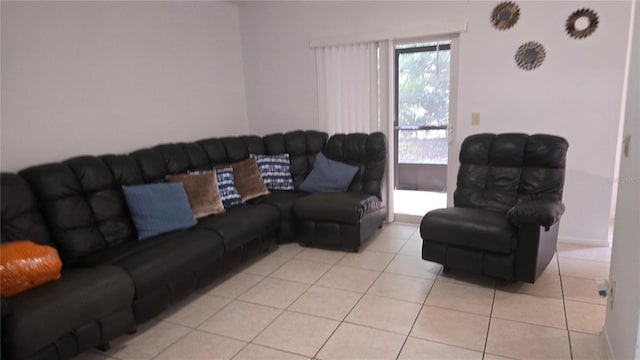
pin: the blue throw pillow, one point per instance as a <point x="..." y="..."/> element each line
<point x="158" y="208"/>
<point x="274" y="170"/>
<point x="229" y="194"/>
<point x="328" y="176"/>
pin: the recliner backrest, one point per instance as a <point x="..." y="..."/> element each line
<point x="499" y="170"/>
<point x="366" y="151"/>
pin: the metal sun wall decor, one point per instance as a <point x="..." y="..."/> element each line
<point x="530" y="55"/>
<point x="505" y="15"/>
<point x="584" y="15"/>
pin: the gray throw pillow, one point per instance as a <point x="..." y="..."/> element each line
<point x="328" y="176"/>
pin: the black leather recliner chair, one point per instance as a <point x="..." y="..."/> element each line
<point x="507" y="207"/>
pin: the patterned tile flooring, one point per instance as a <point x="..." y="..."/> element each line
<point x="384" y="302"/>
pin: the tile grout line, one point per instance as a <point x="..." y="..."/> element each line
<point x="493" y="302"/>
<point x="230" y="275"/>
<point x="418" y="315"/>
<point x="235" y="298"/>
<point x="359" y="300"/>
<point x="212" y="315"/>
<point x="396" y="255"/>
<point x="564" y="306"/>
<point x="232" y="299"/>
<point x="296" y="299"/>
<point x="172" y="343"/>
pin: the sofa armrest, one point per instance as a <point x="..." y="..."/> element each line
<point x="536" y="212"/>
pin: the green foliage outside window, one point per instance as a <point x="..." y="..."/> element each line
<point x="423" y="100"/>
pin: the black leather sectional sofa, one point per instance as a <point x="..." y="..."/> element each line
<point x="111" y="281"/>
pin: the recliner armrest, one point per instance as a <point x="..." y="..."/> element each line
<point x="537" y="212"/>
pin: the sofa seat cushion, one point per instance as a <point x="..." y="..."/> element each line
<point x="471" y="228"/>
<point x="155" y="262"/>
<point x="242" y="224"/>
<point x="281" y="200"/>
<point x="339" y="207"/>
<point x="81" y="296"/>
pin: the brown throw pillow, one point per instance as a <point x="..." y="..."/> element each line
<point x="248" y="180"/>
<point x="202" y="191"/>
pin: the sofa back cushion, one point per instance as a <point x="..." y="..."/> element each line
<point x="21" y="218"/>
<point x="83" y="205"/>
<point x="499" y="170"/>
<point x="366" y="151"/>
<point x="159" y="161"/>
<point x="302" y="147"/>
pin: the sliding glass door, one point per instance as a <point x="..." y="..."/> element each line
<point x="422" y="92"/>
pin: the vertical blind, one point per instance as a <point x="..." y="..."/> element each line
<point x="348" y="88"/>
<point x="354" y="94"/>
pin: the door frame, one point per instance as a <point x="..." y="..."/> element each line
<point x="454" y="143"/>
<point x="453" y="162"/>
<point x="396" y="96"/>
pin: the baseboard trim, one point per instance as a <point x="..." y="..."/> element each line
<point x="582" y="241"/>
<point x="607" y="344"/>
<point x="408" y="219"/>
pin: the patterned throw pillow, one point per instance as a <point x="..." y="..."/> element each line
<point x="275" y="171"/>
<point x="228" y="192"/>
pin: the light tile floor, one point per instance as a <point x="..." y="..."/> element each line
<point x="384" y="302"/>
<point x="418" y="203"/>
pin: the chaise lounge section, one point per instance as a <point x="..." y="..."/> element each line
<point x="347" y="220"/>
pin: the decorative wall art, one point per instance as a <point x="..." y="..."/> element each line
<point x="505" y="15"/>
<point x="530" y="55"/>
<point x="582" y="23"/>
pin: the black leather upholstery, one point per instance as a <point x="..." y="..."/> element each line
<point x="368" y="153"/>
<point x="283" y="201"/>
<point x="242" y="224"/>
<point x="83" y="309"/>
<point x="498" y="171"/>
<point x="111" y="280"/>
<point x="21" y="219"/>
<point x="472" y="228"/>
<point x="82" y="204"/>
<point x="302" y="147"/>
<point x="78" y="304"/>
<point x="346" y="208"/>
<point x="536" y="212"/>
<point x="347" y="220"/>
<point x="507" y="207"/>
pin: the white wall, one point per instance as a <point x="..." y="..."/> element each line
<point x="576" y="93"/>
<point x="623" y="315"/>
<point x="102" y="77"/>
<point x="280" y="66"/>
